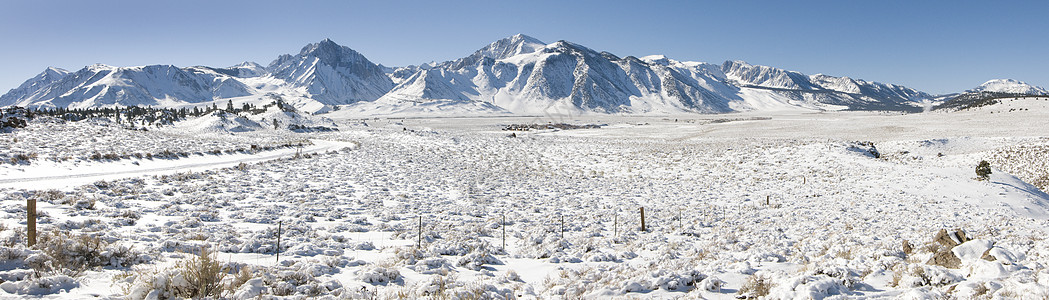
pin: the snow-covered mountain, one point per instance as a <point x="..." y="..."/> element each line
<point x="989" y="93"/>
<point x="522" y="75"/>
<point x="246" y="69"/>
<point x="854" y="93"/>
<point x="508" y="47"/>
<point x="101" y="85"/>
<point x="517" y="74"/>
<point x="29" y="88"/>
<point x="323" y="74"/>
<point x="332" y="74"/>
<point x="1009" y="86"/>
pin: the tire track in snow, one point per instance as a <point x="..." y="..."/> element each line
<point x="78" y="178"/>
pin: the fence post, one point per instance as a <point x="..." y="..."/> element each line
<point x="279" y="225"/>
<point x="420" y="244"/>
<point x="31" y="221"/>
<point x="562" y="227"/>
<point x="767" y="198"/>
<point x="504" y="231"/>
<point x="615" y="225"/>
<point x="642" y="219"/>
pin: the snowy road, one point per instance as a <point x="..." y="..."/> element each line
<point x="51" y="175"/>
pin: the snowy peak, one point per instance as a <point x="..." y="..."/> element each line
<point x="248" y="69"/>
<point x="519" y="73"/>
<point x="657" y="60"/>
<point x="49" y="75"/>
<point x="522" y="75"/>
<point x="54" y="73"/>
<point x="841" y="84"/>
<point x="1009" y="86"/>
<point x="564" y="46"/>
<point x="504" y="48"/>
<point x="511" y="46"/>
<point x="155" y="85"/>
<point x="854" y="93"/>
<point x="333" y="54"/>
<point x="33" y="85"/>
<point x="332" y="74"/>
<point x="990" y="93"/>
<point x="764" y="76"/>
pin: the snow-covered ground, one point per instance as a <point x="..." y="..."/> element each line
<point x="55" y="140"/>
<point x="788" y="205"/>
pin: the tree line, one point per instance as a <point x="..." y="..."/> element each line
<point x="133" y="116"/>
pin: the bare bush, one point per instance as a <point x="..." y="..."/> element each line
<point x="23" y="158"/>
<point x="67" y="254"/>
<point x="203" y="276"/>
<point x="755" y="287"/>
<point x="49" y="196"/>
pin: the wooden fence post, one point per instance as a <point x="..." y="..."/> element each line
<point x="279" y="225"/>
<point x="504" y="231"/>
<point x="562" y="227"/>
<point x="420" y="244"/>
<point x="642" y="219"/>
<point x="31" y="221"/>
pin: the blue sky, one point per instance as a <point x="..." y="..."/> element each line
<point x="934" y="46"/>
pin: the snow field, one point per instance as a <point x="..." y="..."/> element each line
<point x="834" y="224"/>
<point x="57" y="140"/>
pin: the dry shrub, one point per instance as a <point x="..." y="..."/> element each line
<point x="68" y="254"/>
<point x="897" y="275"/>
<point x="755" y="287"/>
<point x="200" y="276"/>
<point x="242" y="277"/>
<point x="1042" y="182"/>
<point x="203" y="275"/>
<point x="49" y="196"/>
<point x="79" y="202"/>
<point x="23" y="158"/>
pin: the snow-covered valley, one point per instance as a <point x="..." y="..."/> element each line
<point x="781" y="205"/>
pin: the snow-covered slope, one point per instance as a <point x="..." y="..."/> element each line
<point x="273" y="118"/>
<point x="522" y="75"/>
<point x="1009" y="86"/>
<point x="332" y="74"/>
<point x="247" y="69"/>
<point x="220" y="122"/>
<point x="100" y="85"/>
<point x="990" y="93"/>
<point x="322" y="75"/>
<point x="763" y="76"/>
<point x="854" y="93"/>
<point x="30" y="87"/>
<point x="504" y="48"/>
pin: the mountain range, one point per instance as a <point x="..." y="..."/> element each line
<point x="518" y="74"/>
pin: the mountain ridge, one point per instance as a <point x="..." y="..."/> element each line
<point x="517" y="74"/>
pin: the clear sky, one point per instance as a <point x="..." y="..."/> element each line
<point x="934" y="46"/>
